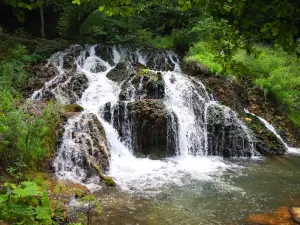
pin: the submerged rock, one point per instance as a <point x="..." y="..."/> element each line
<point x="266" y="142"/>
<point x="296" y="214"/>
<point x="279" y="216"/>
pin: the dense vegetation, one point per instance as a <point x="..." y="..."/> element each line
<point x="233" y="38"/>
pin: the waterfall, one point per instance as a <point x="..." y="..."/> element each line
<point x="195" y="126"/>
<point x="271" y="128"/>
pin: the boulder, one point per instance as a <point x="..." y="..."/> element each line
<point x="97" y="147"/>
<point x="194" y="68"/>
<point x="86" y="149"/>
<point x="148" y="124"/>
<point x="69" y="61"/>
<point x="266" y="142"/>
<point x="119" y="73"/>
<point x="143" y="84"/>
<point x="105" y="53"/>
<point x="226" y="135"/>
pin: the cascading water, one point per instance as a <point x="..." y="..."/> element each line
<point x="271" y="128"/>
<point x="194" y="124"/>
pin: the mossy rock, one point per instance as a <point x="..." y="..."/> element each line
<point x="267" y="142"/>
<point x="72" y="108"/>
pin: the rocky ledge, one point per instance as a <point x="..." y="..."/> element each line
<point x="242" y="93"/>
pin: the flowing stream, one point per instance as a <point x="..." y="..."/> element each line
<point x="203" y="132"/>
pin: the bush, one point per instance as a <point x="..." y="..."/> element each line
<point x="206" y="55"/>
<point x="27" y="141"/>
<point x="25" y="204"/>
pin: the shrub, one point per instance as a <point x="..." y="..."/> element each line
<point x="205" y="54"/>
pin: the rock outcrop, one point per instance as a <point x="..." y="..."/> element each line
<point x="242" y="93"/>
<point x="66" y="88"/>
<point x="145" y="122"/>
<point x="143" y="84"/>
<point x="226" y="134"/>
<point x="266" y="142"/>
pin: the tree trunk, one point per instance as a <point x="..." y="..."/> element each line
<point x="42" y="20"/>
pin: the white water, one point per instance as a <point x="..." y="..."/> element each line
<point x="142" y="174"/>
<point x="271" y="128"/>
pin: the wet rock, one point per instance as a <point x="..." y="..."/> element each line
<point x="280" y="216"/>
<point x="143" y="84"/>
<point x="148" y="120"/>
<point x="296" y="214"/>
<point x="69" y="61"/>
<point x="39" y="75"/>
<point x="146" y="124"/>
<point x="105" y="53"/>
<point x="158" y="60"/>
<point x="194" y="68"/>
<point x="107" y="112"/>
<point x="89" y="134"/>
<point x="226" y="135"/>
<point x="119" y="73"/>
<point x="266" y="142"/>
<point x="66" y="88"/>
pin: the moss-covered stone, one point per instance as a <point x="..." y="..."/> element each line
<point x="72" y="108"/>
<point x="267" y="143"/>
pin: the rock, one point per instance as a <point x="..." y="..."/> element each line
<point x="283" y="212"/>
<point x="35" y="107"/>
<point x="119" y="73"/>
<point x="266" y="142"/>
<point x="66" y="88"/>
<point x="280" y="216"/>
<point x="105" y="53"/>
<point x="296" y="214"/>
<point x="146" y="122"/>
<point x="226" y="136"/>
<point x="39" y="75"/>
<point x="69" y="61"/>
<point x="89" y="134"/>
<point x="143" y="84"/>
<point x="72" y="108"/>
<point x="194" y="68"/>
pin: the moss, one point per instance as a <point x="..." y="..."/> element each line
<point x="72" y="108"/>
<point x="110" y="182"/>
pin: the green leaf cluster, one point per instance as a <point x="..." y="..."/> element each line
<point x="25" y="204"/>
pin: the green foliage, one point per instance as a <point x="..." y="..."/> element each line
<point x="27" y="141"/>
<point x="205" y="54"/>
<point x="25" y="204"/>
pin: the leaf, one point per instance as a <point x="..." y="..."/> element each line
<point x="3" y="198"/>
<point x="43" y="213"/>
<point x="30" y="189"/>
<point x="76" y="2"/>
<point x="45" y="200"/>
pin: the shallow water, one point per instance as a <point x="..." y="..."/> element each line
<point x="244" y="187"/>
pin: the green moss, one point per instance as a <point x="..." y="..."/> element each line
<point x="72" y="108"/>
<point x="109" y="181"/>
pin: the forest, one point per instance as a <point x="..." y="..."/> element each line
<point x="254" y="43"/>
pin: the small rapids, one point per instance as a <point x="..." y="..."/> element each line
<point x="193" y="118"/>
